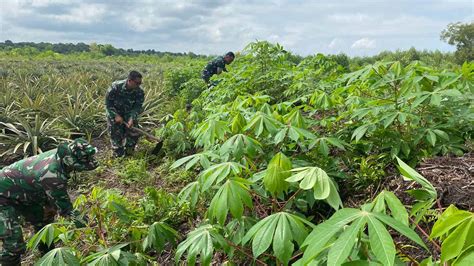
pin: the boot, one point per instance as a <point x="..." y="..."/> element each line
<point x="10" y="260"/>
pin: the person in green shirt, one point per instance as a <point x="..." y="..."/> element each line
<point x="124" y="103"/>
<point x="36" y="188"/>
<point x="216" y="66"/>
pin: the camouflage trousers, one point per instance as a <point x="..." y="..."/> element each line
<point x="11" y="236"/>
<point x="123" y="140"/>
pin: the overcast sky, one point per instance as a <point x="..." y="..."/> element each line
<point x="355" y="27"/>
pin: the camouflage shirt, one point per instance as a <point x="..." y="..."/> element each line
<point x="214" y="67"/>
<point x="36" y="180"/>
<point x="128" y="103"/>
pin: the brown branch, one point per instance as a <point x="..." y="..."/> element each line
<point x="241" y="250"/>
<point x="292" y="196"/>
<point x="438" y="248"/>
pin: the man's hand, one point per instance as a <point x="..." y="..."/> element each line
<point x="130" y="123"/>
<point x="118" y="119"/>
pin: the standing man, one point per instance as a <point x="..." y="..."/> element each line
<point x="35" y="188"/>
<point x="216" y="66"/>
<point x="124" y="102"/>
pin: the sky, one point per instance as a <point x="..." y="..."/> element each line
<point x="354" y="27"/>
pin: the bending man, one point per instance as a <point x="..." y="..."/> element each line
<point x="35" y="188"/>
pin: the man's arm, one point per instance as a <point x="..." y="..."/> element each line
<point x="220" y="65"/>
<point x="138" y="105"/>
<point x="110" y="101"/>
<point x="56" y="190"/>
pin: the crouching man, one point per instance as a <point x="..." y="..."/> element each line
<point x="36" y="188"/>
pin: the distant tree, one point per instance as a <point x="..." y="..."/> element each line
<point x="462" y="36"/>
<point x="342" y="59"/>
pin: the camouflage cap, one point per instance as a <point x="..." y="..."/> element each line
<point x="78" y="154"/>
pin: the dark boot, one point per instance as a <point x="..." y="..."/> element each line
<point x="10" y="260"/>
<point x="120" y="152"/>
<point x="129" y="151"/>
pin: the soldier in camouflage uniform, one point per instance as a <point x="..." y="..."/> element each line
<point x="124" y="102"/>
<point x="35" y="188"/>
<point x="216" y="66"/>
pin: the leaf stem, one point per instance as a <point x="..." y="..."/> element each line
<point x="243" y="251"/>
<point x="438" y="248"/>
<point x="292" y="196"/>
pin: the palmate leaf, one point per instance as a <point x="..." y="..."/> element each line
<point x="359" y="132"/>
<point x="317" y="179"/>
<point x="202" y="158"/>
<point x="278" y="170"/>
<point x="388" y="199"/>
<point x="159" y="233"/>
<point x="191" y="191"/>
<point x="343" y="245"/>
<point x="238" y="122"/>
<point x="110" y="256"/>
<point x="381" y="243"/>
<point x="59" y="256"/>
<point x="262" y="122"/>
<point x="323" y="144"/>
<point x="217" y="173"/>
<point x="240" y="145"/>
<point x="279" y="230"/>
<point x="294" y="133"/>
<point x="48" y="234"/>
<point x="210" y="132"/>
<point x="295" y="119"/>
<point x="201" y="242"/>
<point x="456" y="228"/>
<point x="232" y="195"/>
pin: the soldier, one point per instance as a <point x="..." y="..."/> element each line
<point x="216" y="66"/>
<point x="35" y="188"/>
<point x="124" y="102"/>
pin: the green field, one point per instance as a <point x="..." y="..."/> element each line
<point x="287" y="160"/>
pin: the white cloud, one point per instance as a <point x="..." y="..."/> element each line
<point x="335" y="43"/>
<point x="364" y="43"/>
<point x="83" y="14"/>
<point x="349" y="18"/>
<point x="42" y="3"/>
<point x="210" y="26"/>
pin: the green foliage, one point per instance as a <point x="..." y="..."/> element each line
<point x="315" y="178"/>
<point x="47" y="235"/>
<point x="325" y="238"/>
<point x="111" y="256"/>
<point x="368" y="170"/>
<point x="455" y="228"/>
<point x="278" y="170"/>
<point x="157" y="204"/>
<point x="134" y="170"/>
<point x="279" y="230"/>
<point x="387" y="200"/>
<point x="159" y="234"/>
<point x="29" y="137"/>
<point x="231" y="196"/>
<point x="256" y="153"/>
<point x="201" y="242"/>
<point x="461" y="35"/>
<point x="59" y="256"/>
<point x="175" y="79"/>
